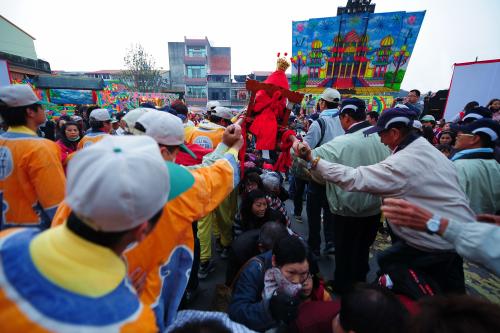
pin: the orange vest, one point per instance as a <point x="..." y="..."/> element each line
<point x="29" y="302"/>
<point x="166" y="254"/>
<point x="208" y="138"/>
<point x="32" y="180"/>
<point x="90" y="138"/>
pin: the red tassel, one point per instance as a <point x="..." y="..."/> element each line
<point x="278" y="54"/>
<point x="286" y="54"/>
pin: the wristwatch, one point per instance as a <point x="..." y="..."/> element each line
<point x="433" y="224"/>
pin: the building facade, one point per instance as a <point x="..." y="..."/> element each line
<point x="18" y="58"/>
<point x="202" y="71"/>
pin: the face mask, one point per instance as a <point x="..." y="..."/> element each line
<point x="74" y="139"/>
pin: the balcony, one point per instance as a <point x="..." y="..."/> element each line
<point x="215" y="84"/>
<point x="195" y="81"/>
<point x="196" y="100"/>
<point x="195" y="60"/>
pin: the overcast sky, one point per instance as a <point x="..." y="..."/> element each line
<point x="94" y="34"/>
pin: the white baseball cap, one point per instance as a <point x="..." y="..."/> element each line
<point x="417" y="124"/>
<point x="16" y="95"/>
<point x="165" y="128"/>
<point x="131" y="117"/>
<point x="212" y="104"/>
<point x="330" y="95"/>
<point x="222" y="112"/>
<point x="100" y="115"/>
<point x="122" y="181"/>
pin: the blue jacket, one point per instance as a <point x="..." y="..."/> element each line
<point x="247" y="306"/>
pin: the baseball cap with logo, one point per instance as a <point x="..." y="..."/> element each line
<point x="222" y="112"/>
<point x="18" y="95"/>
<point x="485" y="126"/>
<point x="330" y="95"/>
<point x="390" y="117"/>
<point x="142" y="182"/>
<point x="100" y="115"/>
<point x="165" y="128"/>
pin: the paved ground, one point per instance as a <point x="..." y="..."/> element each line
<point x="478" y="280"/>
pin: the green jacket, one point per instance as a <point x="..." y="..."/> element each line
<point x="480" y="180"/>
<point x="352" y="149"/>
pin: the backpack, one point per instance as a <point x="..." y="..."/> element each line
<point x="410" y="282"/>
<point x="223" y="293"/>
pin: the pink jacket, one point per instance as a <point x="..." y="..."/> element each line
<point x="65" y="151"/>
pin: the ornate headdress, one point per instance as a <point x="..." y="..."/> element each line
<point x="282" y="63"/>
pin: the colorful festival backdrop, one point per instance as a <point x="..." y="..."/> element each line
<point x="373" y="102"/>
<point x="71" y="96"/>
<point x="114" y="97"/>
<point x="377" y="103"/>
<point x="354" y="50"/>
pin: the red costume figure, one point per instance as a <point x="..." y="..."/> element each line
<point x="268" y="109"/>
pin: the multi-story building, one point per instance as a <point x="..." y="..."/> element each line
<point x="201" y="70"/>
<point x="18" y="58"/>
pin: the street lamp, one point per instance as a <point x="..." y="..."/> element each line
<point x="298" y="61"/>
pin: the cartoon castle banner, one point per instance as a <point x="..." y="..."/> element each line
<point x="352" y="51"/>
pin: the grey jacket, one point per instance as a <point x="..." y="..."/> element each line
<point x="476" y="242"/>
<point x="420" y="174"/>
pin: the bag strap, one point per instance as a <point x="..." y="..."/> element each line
<point x="322" y="126"/>
<point x="249" y="261"/>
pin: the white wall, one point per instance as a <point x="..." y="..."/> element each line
<point x="478" y="81"/>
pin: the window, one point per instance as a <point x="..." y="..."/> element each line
<point x="219" y="78"/>
<point x="196" y="72"/>
<point x="194" y="51"/>
<point x="219" y="94"/>
<point x="196" y="91"/>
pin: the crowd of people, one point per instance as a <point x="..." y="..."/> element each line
<point x="109" y="221"/>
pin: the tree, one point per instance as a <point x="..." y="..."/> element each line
<point x="140" y="73"/>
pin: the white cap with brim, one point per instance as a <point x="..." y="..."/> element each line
<point x="121" y="182"/>
<point x="222" y="112"/>
<point x="100" y="115"/>
<point x="212" y="104"/>
<point x="18" y="95"/>
<point x="330" y="95"/>
<point x="165" y="128"/>
<point x="131" y="117"/>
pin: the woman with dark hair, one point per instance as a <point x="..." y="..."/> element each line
<point x="70" y="135"/>
<point x="447" y="138"/>
<point x="254" y="212"/>
<point x="251" y="181"/>
<point x="60" y="123"/>
<point x="494" y="106"/>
